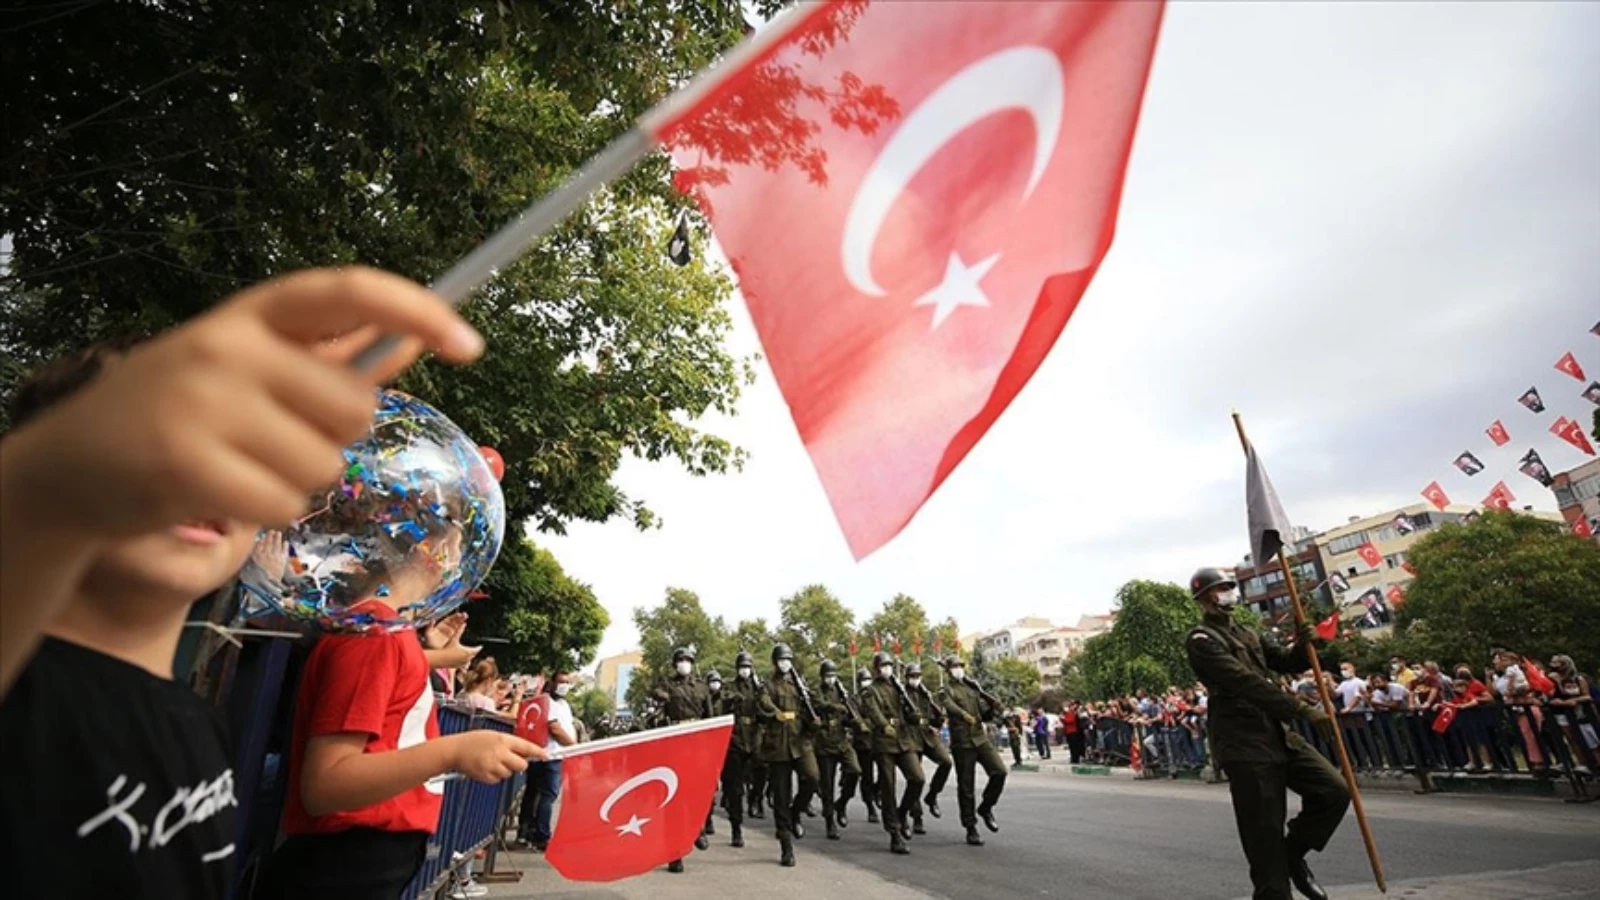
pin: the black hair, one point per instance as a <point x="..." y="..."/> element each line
<point x="60" y="378"/>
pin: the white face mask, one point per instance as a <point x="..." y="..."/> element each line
<point x="716" y="686"/>
<point x="914" y="681"/>
<point x="830" y="680"/>
<point x="1227" y="599"/>
<point x="958" y="673"/>
<point x="685" y="667"/>
<point x="561" y="689"/>
<point x="785" y="665"/>
<point x="886" y="671"/>
<point x="744" y="672"/>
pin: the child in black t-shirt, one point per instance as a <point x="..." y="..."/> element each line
<point x="132" y="483"/>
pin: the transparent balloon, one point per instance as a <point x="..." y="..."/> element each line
<point x="404" y="537"/>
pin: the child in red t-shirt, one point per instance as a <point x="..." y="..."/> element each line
<point x="366" y="759"/>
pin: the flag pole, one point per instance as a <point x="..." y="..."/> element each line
<point x="1327" y="701"/>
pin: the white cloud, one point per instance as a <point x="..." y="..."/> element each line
<point x="1369" y="226"/>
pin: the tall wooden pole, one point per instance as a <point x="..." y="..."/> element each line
<point x="1327" y="701"/>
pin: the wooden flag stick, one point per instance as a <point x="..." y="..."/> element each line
<point x="1327" y="702"/>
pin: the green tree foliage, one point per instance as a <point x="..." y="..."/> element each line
<point x="550" y="621"/>
<point x="1504" y="580"/>
<point x="1012" y="680"/>
<point x="591" y="705"/>
<point x="679" y="621"/>
<point x="1145" y="647"/>
<point x="816" y="626"/>
<point x="752" y="635"/>
<point x="903" y="618"/>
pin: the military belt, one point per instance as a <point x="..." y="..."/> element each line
<point x="787" y="716"/>
<point x="745" y="720"/>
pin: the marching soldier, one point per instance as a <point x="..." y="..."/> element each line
<point x="737" y="700"/>
<point x="1262" y="756"/>
<point x="684" y="698"/>
<point x="968" y="706"/>
<point x="930" y="717"/>
<point x="885" y="704"/>
<point x="755" y="786"/>
<point x="861" y="742"/>
<point x="833" y="746"/>
<point x="785" y="712"/>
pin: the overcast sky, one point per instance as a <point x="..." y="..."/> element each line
<point x="1368" y="226"/>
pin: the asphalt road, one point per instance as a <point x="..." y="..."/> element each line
<point x="1091" y="837"/>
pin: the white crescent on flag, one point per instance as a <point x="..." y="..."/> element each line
<point x="662" y="774"/>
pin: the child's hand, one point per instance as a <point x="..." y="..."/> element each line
<point x="237" y="415"/>
<point x="492" y="757"/>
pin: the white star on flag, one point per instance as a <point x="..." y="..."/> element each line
<point x="634" y="826"/>
<point x="959" y="288"/>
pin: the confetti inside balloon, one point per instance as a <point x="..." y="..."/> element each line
<point x="408" y="532"/>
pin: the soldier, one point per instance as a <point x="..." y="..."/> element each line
<point x="833" y="747"/>
<point x="739" y="700"/>
<point x="683" y="697"/>
<point x="930" y="718"/>
<point x="861" y="742"/>
<point x="755" y="769"/>
<point x="1248" y="722"/>
<point x="968" y="706"/>
<point x="884" y="705"/>
<point x="785" y="716"/>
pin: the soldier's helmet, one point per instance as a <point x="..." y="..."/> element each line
<point x="744" y="659"/>
<point x="881" y="659"/>
<point x="1206" y="579"/>
<point x="683" y="653"/>
<point x="952" y="661"/>
<point x="713" y="676"/>
<point x="863" y="676"/>
<point x="913" y="670"/>
<point x="782" y="651"/>
<point x="828" y="668"/>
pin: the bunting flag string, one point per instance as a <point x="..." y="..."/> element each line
<point x="1497" y="433"/>
<point x="1531" y="399"/>
<point x="1569" y="365"/>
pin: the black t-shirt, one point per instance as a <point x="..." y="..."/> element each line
<point x="117" y="783"/>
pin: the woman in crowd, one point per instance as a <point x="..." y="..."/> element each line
<point x="478" y="689"/>
<point x="1511" y="683"/>
<point x="1574" y="712"/>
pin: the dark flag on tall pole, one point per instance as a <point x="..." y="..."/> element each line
<point x="1269" y="527"/>
<point x="1533" y="467"/>
<point x="678" y="247"/>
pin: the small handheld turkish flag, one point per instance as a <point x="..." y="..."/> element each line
<point x="1370" y="555"/>
<point x="1498" y="434"/>
<point x="634" y="802"/>
<point x="533" y="721"/>
<point x="1569" y="364"/>
<point x="1436" y="495"/>
<point x="1328" y="628"/>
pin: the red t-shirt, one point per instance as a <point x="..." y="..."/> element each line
<point x="377" y="686"/>
<point x="1475" y="689"/>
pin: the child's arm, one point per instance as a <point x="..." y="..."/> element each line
<point x="338" y="774"/>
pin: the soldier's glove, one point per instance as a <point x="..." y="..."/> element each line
<point x="888" y="730"/>
<point x="1319" y="719"/>
<point x="1304" y="636"/>
<point x="969" y="718"/>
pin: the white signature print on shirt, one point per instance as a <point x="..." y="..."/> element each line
<point x="188" y="806"/>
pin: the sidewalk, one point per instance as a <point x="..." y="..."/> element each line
<point x="1563" y="881"/>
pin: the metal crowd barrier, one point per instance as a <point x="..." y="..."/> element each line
<point x="472" y="813"/>
<point x="1108" y="741"/>
<point x="1504" y="740"/>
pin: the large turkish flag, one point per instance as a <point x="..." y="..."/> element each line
<point x="631" y="803"/>
<point x="915" y="196"/>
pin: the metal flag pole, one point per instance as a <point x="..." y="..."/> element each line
<point x="1327" y="703"/>
<point x="513" y="239"/>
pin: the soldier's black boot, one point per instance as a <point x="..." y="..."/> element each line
<point x="839" y="814"/>
<point x="811" y="809"/>
<point x="905" y="829"/>
<point x="675" y="867"/>
<point x="701" y="843"/>
<point x="787" y="847"/>
<point x="756" y="810"/>
<point x="797" y="826"/>
<point x="972" y="836"/>
<point x="872" y="814"/>
<point x="1304" y="881"/>
<point x="833" y="829"/>
<point x="916" y="826"/>
<point x="738" y="837"/>
<point x="933" y="806"/>
<point x="986" y="813"/>
<point x="711" y="826"/>
<point x="897" y="844"/>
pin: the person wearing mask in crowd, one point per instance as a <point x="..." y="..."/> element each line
<point x="738" y="700"/>
<point x="1073" y="724"/>
<point x="1014" y="737"/>
<point x="930" y="717"/>
<point x="1511" y="683"/>
<point x="1573" y="711"/>
<point x="1253" y="743"/>
<point x="684" y="698"/>
<point x="1387" y="696"/>
<point x="885" y="707"/>
<point x="861" y="742"/>
<point x="784" y="709"/>
<point x="544" y="778"/>
<point x="833" y="747"/>
<point x="1041" y="734"/>
<point x="1351" y="690"/>
<point x="1432" y="689"/>
<point x="1401" y="672"/>
<point x="967" y="707"/>
<point x="1469" y="692"/>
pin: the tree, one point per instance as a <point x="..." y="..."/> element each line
<point x="1145" y="647"/>
<point x="1011" y="680"/>
<point x="591" y="705"/>
<point x="1504" y="580"/>
<point x="903" y="618"/>
<point x="551" y="622"/>
<point x="679" y="621"/>
<point x="815" y="625"/>
<point x="753" y="636"/>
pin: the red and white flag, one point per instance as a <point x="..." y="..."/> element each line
<point x="1396" y="595"/>
<point x="915" y="196"/>
<point x="1500" y="498"/>
<point x="1580" y="527"/>
<point x="1370" y="555"/>
<point x="1569" y="364"/>
<point x="1570" y="431"/>
<point x="1328" y="628"/>
<point x="638" y="801"/>
<point x="1436" y="495"/>
<point x="1498" y="434"/>
<point x="533" y="720"/>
